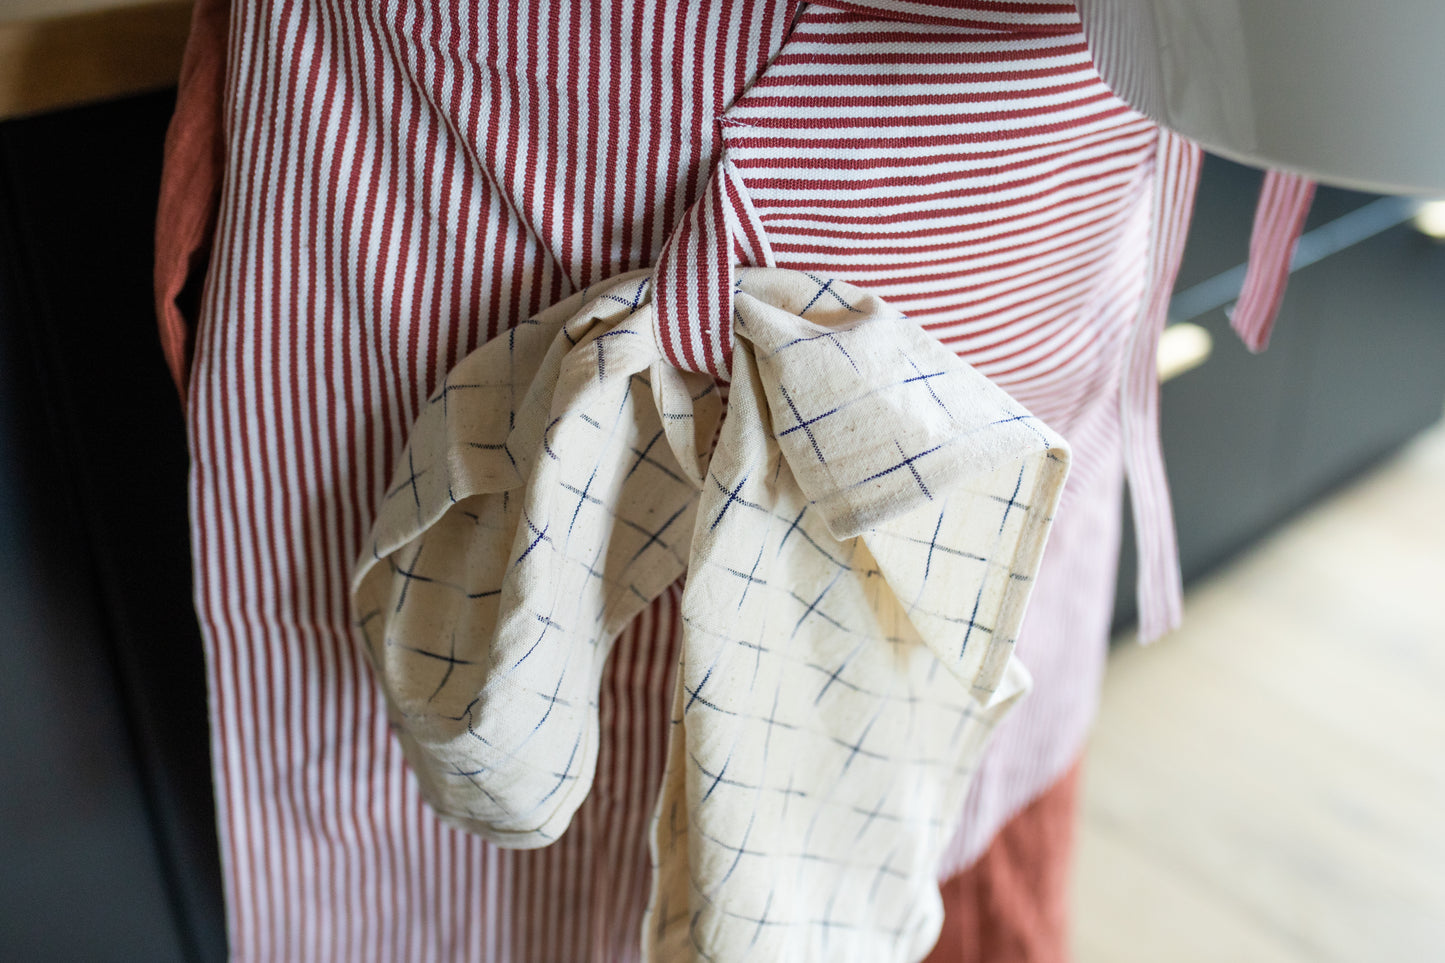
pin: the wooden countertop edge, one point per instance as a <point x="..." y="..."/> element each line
<point x="51" y="63"/>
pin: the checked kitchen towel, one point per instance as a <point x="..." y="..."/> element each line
<point x="859" y="548"/>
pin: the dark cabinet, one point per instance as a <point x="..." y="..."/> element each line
<point x="1355" y="369"/>
<point x="107" y="832"/>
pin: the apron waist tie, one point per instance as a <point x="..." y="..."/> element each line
<point x="1279" y="217"/>
<point x="694" y="280"/>
<point x="1284" y="202"/>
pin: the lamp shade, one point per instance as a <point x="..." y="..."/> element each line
<point x="1348" y="92"/>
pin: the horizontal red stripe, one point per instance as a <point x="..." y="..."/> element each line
<point x="799" y="102"/>
<point x="950" y="58"/>
<point x="941" y="80"/>
<point x="905" y="141"/>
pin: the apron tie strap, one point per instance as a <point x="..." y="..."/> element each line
<point x="1284" y="202"/>
<point x="1160" y="587"/>
<point x="693" y="283"/>
<point x="1279" y="216"/>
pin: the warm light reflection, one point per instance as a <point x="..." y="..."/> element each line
<point x="1430" y="219"/>
<point x="1183" y="346"/>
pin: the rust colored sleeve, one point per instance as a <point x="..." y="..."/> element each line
<point x="191" y="182"/>
<point x="1012" y="906"/>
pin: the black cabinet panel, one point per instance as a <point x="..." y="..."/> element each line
<point x="1356" y="368"/>
<point x="108" y="835"/>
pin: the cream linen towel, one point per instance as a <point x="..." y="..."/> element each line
<point x="860" y="546"/>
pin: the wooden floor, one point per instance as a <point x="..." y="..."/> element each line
<point x="1268" y="784"/>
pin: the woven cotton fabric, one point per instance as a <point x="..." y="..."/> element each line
<point x="402" y="182"/>
<point x="859" y="549"/>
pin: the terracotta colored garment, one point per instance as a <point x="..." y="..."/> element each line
<point x="1012" y="906"/>
<point x="191" y="185"/>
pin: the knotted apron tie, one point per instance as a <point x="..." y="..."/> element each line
<point x="694" y="280"/>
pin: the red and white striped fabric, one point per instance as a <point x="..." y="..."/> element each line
<point x="1284" y="202"/>
<point x="404" y="181"/>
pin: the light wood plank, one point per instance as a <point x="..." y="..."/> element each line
<point x="1269" y="782"/>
